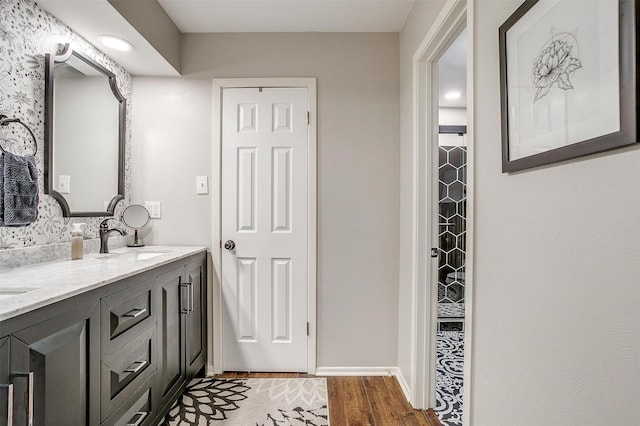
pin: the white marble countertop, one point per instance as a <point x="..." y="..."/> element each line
<point x="26" y="288"/>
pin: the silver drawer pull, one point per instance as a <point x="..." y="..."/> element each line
<point x="190" y="297"/>
<point x="184" y="298"/>
<point x="135" y="313"/>
<point x="29" y="377"/>
<point x="9" y="403"/>
<point x="137" y="419"/>
<point x="136" y="366"/>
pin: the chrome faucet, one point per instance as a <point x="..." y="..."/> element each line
<point x="104" y="235"/>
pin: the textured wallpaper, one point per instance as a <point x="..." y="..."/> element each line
<point x="27" y="33"/>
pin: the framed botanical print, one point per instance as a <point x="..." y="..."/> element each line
<point x="568" y="74"/>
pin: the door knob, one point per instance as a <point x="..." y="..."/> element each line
<point x="229" y="244"/>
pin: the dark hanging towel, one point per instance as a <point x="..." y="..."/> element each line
<point x="18" y="190"/>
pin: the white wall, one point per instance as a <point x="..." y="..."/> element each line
<point x="452" y="116"/>
<point x="557" y="285"/>
<point x="418" y="23"/>
<point x="358" y="160"/>
<point x="171" y="146"/>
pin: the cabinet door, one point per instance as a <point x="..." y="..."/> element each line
<point x="55" y="366"/>
<point x="196" y="325"/>
<point x="171" y="362"/>
<point x="6" y="388"/>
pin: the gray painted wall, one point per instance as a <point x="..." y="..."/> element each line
<point x="564" y="242"/>
<point x="172" y="145"/>
<point x="358" y="160"/>
<point x="153" y="23"/>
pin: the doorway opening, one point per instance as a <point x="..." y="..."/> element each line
<point x="455" y="16"/>
<point x="451" y="163"/>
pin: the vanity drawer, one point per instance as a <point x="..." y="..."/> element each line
<point x="125" y="370"/>
<point x="126" y="314"/>
<point x="138" y="410"/>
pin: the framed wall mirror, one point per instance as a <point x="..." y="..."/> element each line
<point x="84" y="135"/>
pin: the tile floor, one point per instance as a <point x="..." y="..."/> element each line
<point x="449" y="372"/>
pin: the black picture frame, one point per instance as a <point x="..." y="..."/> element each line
<point x="628" y="91"/>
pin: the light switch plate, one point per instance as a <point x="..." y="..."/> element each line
<point x="64" y="184"/>
<point x="202" y="185"/>
<point x="154" y="209"/>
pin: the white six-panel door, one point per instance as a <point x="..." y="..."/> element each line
<point x="264" y="212"/>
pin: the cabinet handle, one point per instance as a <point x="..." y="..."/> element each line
<point x="182" y="309"/>
<point x="9" y="403"/>
<point x="137" y="419"/>
<point x="135" y="313"/>
<point x="29" y="377"/>
<point x="190" y="297"/>
<point x="136" y="366"/>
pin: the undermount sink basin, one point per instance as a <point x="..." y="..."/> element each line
<point x="7" y="292"/>
<point x="137" y="255"/>
<point x="149" y="255"/>
<point x="107" y="255"/>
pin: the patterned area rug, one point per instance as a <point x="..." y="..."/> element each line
<point x="449" y="373"/>
<point x="244" y="402"/>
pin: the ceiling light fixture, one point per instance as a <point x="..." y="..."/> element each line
<point x="452" y="95"/>
<point x="116" y="43"/>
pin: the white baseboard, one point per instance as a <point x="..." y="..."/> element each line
<point x="406" y="390"/>
<point x="355" y="371"/>
<point x="352" y="371"/>
<point x="209" y="370"/>
<point x="368" y="371"/>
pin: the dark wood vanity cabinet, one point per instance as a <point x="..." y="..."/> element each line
<point x="195" y="339"/>
<point x="182" y="324"/>
<point x="172" y="373"/>
<point x="116" y="356"/>
<point x="52" y="367"/>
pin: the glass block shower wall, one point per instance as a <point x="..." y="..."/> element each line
<point x="452" y="223"/>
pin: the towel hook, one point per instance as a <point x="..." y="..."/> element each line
<point x="5" y="121"/>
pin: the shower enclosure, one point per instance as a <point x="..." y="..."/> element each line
<point x="452" y="233"/>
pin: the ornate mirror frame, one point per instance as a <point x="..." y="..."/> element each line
<point x="50" y="62"/>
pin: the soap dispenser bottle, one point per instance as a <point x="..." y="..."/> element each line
<point x="77" y="236"/>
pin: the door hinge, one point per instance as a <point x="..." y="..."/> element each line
<point x="308" y="328"/>
<point x="308" y="118"/>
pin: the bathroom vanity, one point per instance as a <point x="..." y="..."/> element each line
<point x="111" y="339"/>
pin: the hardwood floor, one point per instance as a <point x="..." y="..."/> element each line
<point x="363" y="401"/>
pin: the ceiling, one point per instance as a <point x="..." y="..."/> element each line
<point x="212" y="16"/>
<point x="91" y="18"/>
<point x="452" y="73"/>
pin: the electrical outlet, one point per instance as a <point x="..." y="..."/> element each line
<point x="202" y="185"/>
<point x="64" y="184"/>
<point x="154" y="209"/>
